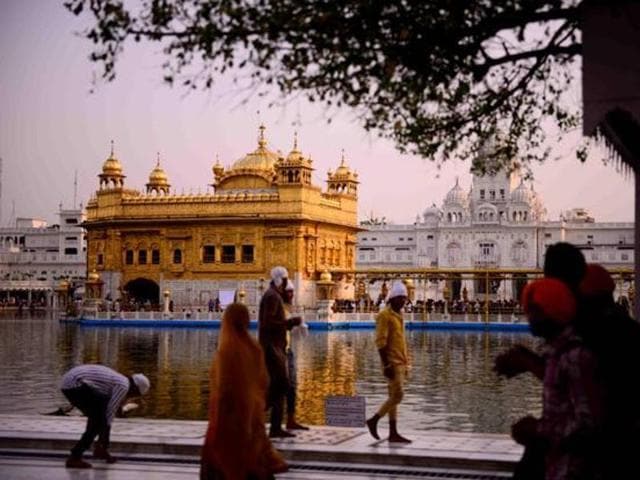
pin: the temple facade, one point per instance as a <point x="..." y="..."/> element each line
<point x="499" y="223"/>
<point x="264" y="211"/>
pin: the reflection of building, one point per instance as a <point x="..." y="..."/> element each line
<point x="34" y="256"/>
<point x="265" y="211"/>
<point x="499" y="223"/>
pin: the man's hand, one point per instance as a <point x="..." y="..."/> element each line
<point x="389" y="372"/>
<point x="516" y="360"/>
<point x="525" y="430"/>
<point x="128" y="407"/>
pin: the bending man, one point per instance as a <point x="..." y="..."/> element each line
<point x="98" y="392"/>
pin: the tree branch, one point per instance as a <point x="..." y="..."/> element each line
<point x="480" y="70"/>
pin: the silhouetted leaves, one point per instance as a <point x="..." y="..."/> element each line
<point x="442" y="79"/>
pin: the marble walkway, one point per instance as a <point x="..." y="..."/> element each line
<point x="163" y="449"/>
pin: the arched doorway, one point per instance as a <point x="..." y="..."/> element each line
<point x="142" y="289"/>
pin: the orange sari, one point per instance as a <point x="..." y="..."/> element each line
<point x="236" y="445"/>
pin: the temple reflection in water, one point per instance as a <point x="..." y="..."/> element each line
<point x="451" y="387"/>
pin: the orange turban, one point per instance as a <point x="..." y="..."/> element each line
<point x="553" y="297"/>
<point x="596" y="281"/>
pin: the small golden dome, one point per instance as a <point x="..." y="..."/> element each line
<point x="63" y="285"/>
<point x="408" y="282"/>
<point x="261" y="159"/>
<point x="158" y="177"/>
<point x="343" y="169"/>
<point x="325" y="276"/>
<point x="343" y="172"/>
<point x="218" y="169"/>
<point x="295" y="155"/>
<point x="111" y="165"/>
<point x="93" y="276"/>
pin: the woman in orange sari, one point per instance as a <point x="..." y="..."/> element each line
<point x="236" y="445"/>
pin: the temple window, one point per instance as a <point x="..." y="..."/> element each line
<point x="247" y="253"/>
<point x="155" y="256"/>
<point x="177" y="256"/>
<point x="228" y="254"/>
<point x="142" y="257"/>
<point x="208" y="254"/>
<point x="100" y="260"/>
<point x="128" y="257"/>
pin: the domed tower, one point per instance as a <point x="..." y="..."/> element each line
<point x="111" y="176"/>
<point x="343" y="181"/>
<point x="254" y="171"/>
<point x="520" y="204"/>
<point x="455" y="205"/>
<point x="295" y="169"/>
<point x="218" y="171"/>
<point x="158" y="180"/>
<point x="431" y="216"/>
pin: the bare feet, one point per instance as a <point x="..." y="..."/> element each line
<point x="372" y="424"/>
<point x="397" y="438"/>
<point x="73" y="462"/>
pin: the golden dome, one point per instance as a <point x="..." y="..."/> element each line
<point x="343" y="172"/>
<point x="218" y="169"/>
<point x="295" y="155"/>
<point x="111" y="165"/>
<point x="261" y="159"/>
<point x="408" y="282"/>
<point x="158" y="176"/>
<point x="93" y="276"/>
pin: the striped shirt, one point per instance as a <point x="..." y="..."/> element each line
<point x="103" y="381"/>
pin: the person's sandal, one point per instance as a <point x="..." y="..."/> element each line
<point x="73" y="462"/>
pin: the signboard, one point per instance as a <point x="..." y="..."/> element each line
<point x="343" y="411"/>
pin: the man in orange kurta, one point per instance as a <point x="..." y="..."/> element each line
<point x="392" y="347"/>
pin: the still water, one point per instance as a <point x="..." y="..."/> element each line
<point x="451" y="386"/>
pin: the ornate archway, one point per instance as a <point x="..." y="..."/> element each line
<point x="143" y="289"/>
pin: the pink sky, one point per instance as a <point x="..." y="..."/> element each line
<point x="51" y="126"/>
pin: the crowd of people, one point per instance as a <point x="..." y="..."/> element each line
<point x="590" y="422"/>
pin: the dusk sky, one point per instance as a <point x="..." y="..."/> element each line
<point x="52" y="126"/>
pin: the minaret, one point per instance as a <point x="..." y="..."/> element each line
<point x="111" y="176"/>
<point x="295" y="169"/>
<point x="343" y="181"/>
<point x="158" y="180"/>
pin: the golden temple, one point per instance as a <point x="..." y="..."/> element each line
<point x="264" y="211"/>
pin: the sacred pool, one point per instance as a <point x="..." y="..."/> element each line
<point x="451" y="386"/>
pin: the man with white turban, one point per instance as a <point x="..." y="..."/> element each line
<point x="392" y="347"/>
<point x="272" y="334"/>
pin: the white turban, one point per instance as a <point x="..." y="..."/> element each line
<point x="398" y="289"/>
<point x="278" y="274"/>
<point x="142" y="382"/>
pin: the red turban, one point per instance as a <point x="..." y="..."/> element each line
<point x="596" y="281"/>
<point x="552" y="297"/>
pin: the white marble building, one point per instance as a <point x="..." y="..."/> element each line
<point x="35" y="256"/>
<point x="500" y="222"/>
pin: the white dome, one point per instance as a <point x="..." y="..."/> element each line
<point x="521" y="194"/>
<point x="432" y="211"/>
<point x="456" y="196"/>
